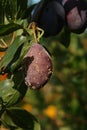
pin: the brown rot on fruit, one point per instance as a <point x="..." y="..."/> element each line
<point x="37" y="67"/>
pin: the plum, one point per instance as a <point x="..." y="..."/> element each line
<point x="37" y="66"/>
<point x="50" y="16"/>
<point x="76" y="15"/>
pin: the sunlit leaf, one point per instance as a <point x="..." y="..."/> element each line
<point x="9" y="55"/>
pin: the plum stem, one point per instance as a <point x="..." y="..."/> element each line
<point x="37" y="32"/>
<point x="4" y="45"/>
<point x="40" y="33"/>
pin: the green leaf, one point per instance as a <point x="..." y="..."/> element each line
<point x="2" y="11"/>
<point x="11" y="9"/>
<point x="9" y="28"/>
<point x="21" y="7"/>
<point x="13" y="90"/>
<point x="9" y="55"/>
<point x="19" y="59"/>
<point x="23" y="119"/>
<point x="75" y="105"/>
<point x="7" y="122"/>
<point x="9" y="95"/>
<point x="16" y="9"/>
<point x="28" y="11"/>
<point x="18" y="79"/>
<point x="64" y="37"/>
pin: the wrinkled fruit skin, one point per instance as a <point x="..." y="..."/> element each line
<point x="37" y="67"/>
<point x="49" y="16"/>
<point x="76" y="15"/>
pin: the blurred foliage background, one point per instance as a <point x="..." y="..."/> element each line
<point x="62" y="103"/>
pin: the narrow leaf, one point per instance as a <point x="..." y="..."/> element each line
<point x="28" y="11"/>
<point x="21" y="7"/>
<point x="19" y="60"/>
<point x="11" y="9"/>
<point x="64" y="37"/>
<point x="9" y="28"/>
<point x="19" y="84"/>
<point x="7" y="122"/>
<point x="2" y="11"/>
<point x="9" y="55"/>
<point x="23" y="119"/>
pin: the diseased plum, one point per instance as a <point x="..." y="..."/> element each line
<point x="76" y="15"/>
<point x="37" y="66"/>
<point x="50" y="16"/>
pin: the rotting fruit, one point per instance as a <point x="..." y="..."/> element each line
<point x="37" y="66"/>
